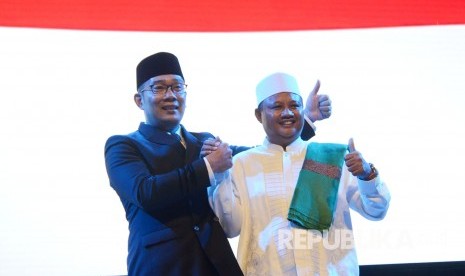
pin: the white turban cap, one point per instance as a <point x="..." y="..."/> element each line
<point x="274" y="84"/>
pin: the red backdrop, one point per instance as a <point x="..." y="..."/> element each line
<point x="217" y="15"/>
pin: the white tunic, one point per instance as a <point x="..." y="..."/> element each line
<point x="254" y="200"/>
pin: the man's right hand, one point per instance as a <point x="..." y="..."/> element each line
<point x="220" y="158"/>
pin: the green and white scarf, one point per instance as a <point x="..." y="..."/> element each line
<point x="315" y="195"/>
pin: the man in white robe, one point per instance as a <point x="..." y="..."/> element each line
<point x="253" y="200"/>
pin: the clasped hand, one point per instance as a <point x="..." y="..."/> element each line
<point x="218" y="154"/>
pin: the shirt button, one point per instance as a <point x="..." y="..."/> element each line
<point x="196" y="228"/>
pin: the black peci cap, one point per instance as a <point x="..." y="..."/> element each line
<point x="161" y="63"/>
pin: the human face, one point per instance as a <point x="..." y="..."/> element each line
<point x="281" y="117"/>
<point x="164" y="111"/>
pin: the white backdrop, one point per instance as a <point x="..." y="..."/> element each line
<point x="399" y="92"/>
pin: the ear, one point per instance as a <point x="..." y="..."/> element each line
<point x="258" y="115"/>
<point x="138" y="100"/>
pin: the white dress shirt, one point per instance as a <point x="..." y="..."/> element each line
<point x="254" y="200"/>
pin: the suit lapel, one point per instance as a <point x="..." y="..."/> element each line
<point x="193" y="145"/>
<point x="158" y="136"/>
<point x="155" y="135"/>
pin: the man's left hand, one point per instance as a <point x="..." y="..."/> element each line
<point x="356" y="164"/>
<point x="209" y="146"/>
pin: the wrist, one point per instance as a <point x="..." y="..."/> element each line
<point x="308" y="114"/>
<point x="371" y="175"/>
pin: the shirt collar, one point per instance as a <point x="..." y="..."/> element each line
<point x="295" y="146"/>
<point x="177" y="131"/>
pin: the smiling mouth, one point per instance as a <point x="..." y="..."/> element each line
<point x="287" y="123"/>
<point x="170" y="108"/>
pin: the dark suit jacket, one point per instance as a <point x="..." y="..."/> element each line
<point x="163" y="188"/>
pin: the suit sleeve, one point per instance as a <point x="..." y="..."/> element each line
<point x="130" y="176"/>
<point x="308" y="130"/>
<point x="237" y="149"/>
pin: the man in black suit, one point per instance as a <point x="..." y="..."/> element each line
<point x="162" y="181"/>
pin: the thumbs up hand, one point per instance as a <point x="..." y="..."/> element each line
<point x="317" y="107"/>
<point x="351" y="145"/>
<point x="356" y="164"/>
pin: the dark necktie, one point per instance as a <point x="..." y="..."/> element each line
<point x="178" y="137"/>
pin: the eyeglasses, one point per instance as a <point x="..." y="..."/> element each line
<point x="160" y="89"/>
